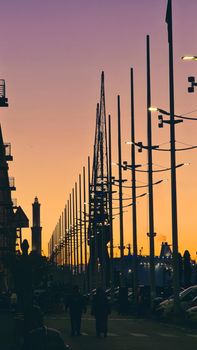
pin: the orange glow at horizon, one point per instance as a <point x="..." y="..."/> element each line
<point x="51" y="58"/>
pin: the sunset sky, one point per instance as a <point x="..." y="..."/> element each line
<point x="51" y="55"/>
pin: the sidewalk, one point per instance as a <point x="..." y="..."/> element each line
<point x="7" y="331"/>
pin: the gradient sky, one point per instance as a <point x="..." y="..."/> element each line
<point x="52" y="53"/>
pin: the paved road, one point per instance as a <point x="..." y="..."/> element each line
<point x="127" y="334"/>
<point x="124" y="334"/>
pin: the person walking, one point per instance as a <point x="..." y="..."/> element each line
<point x="76" y="306"/>
<point x="100" y="310"/>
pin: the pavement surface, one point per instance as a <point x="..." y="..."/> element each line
<point x="124" y="333"/>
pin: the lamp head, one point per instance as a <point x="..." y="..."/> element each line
<point x="189" y="58"/>
<point x="153" y="109"/>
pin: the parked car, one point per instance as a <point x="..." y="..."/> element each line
<point x="191" y="313"/>
<point x="187" y="297"/>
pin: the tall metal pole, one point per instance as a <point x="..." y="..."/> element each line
<point x="59" y="240"/>
<point x="73" y="229"/>
<point x="66" y="236"/>
<point x="151" y="232"/>
<point x="103" y="255"/>
<point x="120" y="192"/>
<point x="110" y="211"/>
<point x="173" y="162"/>
<point x="91" y="260"/>
<point x="134" y="207"/>
<point x="62" y="239"/>
<point x="71" y="234"/>
<point x="56" y="242"/>
<point x="77" y="235"/>
<point x="80" y="226"/>
<point x="85" y="230"/>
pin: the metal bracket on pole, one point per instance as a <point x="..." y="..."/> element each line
<point x="148" y="234"/>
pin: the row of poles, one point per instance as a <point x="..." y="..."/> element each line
<point x="69" y="241"/>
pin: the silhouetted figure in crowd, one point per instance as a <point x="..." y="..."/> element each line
<point x="24" y="279"/>
<point x="39" y="337"/>
<point x="100" y="310"/>
<point x="123" y="300"/>
<point x="76" y="305"/>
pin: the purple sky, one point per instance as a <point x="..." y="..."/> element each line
<point x="52" y="54"/>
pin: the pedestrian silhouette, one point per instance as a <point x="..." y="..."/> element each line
<point x="24" y="279"/>
<point x="39" y="337"/>
<point x="76" y="305"/>
<point x="123" y="300"/>
<point x="100" y="310"/>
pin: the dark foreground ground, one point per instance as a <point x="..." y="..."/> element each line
<point x="125" y="333"/>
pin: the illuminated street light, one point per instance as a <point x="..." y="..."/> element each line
<point x="163" y="111"/>
<point x="191" y="80"/>
<point x="153" y="109"/>
<point x="189" y="58"/>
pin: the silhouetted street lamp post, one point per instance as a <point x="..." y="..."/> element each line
<point x="110" y="211"/>
<point x="65" y="237"/>
<point x="73" y="229"/>
<point x="87" y="286"/>
<point x="149" y="149"/>
<point x="80" y="226"/>
<point x="151" y="232"/>
<point x="120" y="193"/>
<point x="173" y="162"/>
<point x="134" y="207"/>
<point x="68" y="235"/>
<point x="63" y="240"/>
<point x="92" y="262"/>
<point x="76" y="229"/>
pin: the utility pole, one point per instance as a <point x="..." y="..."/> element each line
<point x="120" y="193"/>
<point x="66" y="236"/>
<point x="59" y="240"/>
<point x="134" y="207"/>
<point x="80" y="226"/>
<point x="73" y="226"/>
<point x="91" y="241"/>
<point x="173" y="162"/>
<point x="70" y="235"/>
<point x="76" y="232"/>
<point x="110" y="211"/>
<point x="87" y="285"/>
<point x="151" y="233"/>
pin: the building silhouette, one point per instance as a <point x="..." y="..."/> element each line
<point x="36" y="228"/>
<point x="7" y="229"/>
